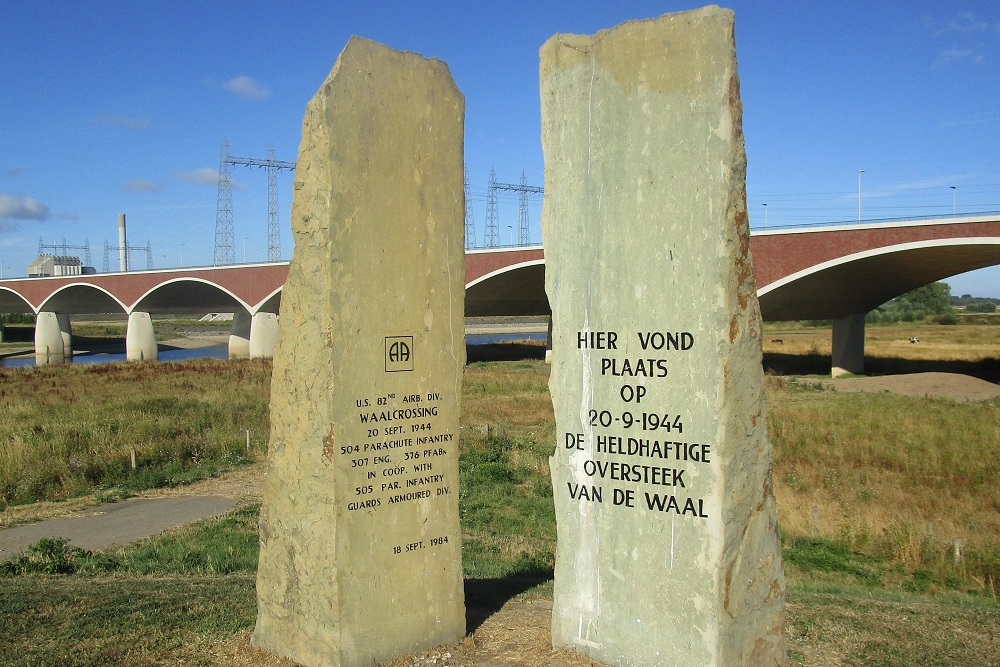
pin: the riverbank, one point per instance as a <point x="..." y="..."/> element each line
<point x="110" y="342"/>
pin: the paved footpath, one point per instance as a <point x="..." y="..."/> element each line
<point x="114" y="524"/>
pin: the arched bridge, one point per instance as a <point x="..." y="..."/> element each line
<point x="836" y="272"/>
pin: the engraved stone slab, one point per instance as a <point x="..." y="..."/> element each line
<point x="668" y="550"/>
<point x="360" y="557"/>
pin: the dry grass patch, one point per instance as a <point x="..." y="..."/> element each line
<point x="511" y="396"/>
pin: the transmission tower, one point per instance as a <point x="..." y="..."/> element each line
<point x="62" y="248"/>
<point x="523" y="190"/>
<point x="492" y="231"/>
<point x="148" y="249"/>
<point x="224" y="251"/>
<point x="470" y="225"/>
<point x="273" y="231"/>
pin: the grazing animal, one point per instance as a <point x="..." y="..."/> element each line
<point x="777" y="341"/>
<point x="914" y="339"/>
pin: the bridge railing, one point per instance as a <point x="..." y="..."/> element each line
<point x="877" y="221"/>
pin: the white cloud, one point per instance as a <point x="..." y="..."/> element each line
<point x="974" y="119"/>
<point x="202" y="176"/>
<point x="949" y="56"/>
<point x="244" y="86"/>
<point x="141" y="186"/>
<point x="22" y="208"/>
<point x="964" y="23"/>
<point x="68" y="216"/>
<point x="123" y="121"/>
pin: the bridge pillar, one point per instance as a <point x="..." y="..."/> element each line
<point x="848" y="345"/>
<point x="66" y="333"/>
<point x="263" y="334"/>
<point x="49" y="346"/>
<point x="239" y="335"/>
<point x="2" y="332"/>
<point x="140" y="340"/>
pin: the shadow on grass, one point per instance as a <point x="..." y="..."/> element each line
<point x="485" y="597"/>
<point x="504" y="352"/>
<point x="87" y="345"/>
<point x="819" y="364"/>
<point x="796" y="364"/>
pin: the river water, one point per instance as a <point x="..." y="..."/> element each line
<point x="222" y="351"/>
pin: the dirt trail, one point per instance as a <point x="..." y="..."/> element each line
<point x="961" y="388"/>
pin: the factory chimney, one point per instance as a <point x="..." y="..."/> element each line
<point x="122" y="243"/>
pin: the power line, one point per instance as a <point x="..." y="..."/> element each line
<point x="523" y="190"/>
<point x="129" y="249"/>
<point x="62" y="248"/>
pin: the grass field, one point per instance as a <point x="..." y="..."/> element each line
<point x="70" y="430"/>
<point x="872" y="490"/>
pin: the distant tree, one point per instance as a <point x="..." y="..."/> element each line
<point x="933" y="299"/>
<point x="982" y="307"/>
<point x="16" y="318"/>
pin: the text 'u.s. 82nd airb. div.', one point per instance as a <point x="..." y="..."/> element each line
<point x="639" y="449"/>
<point x="398" y="442"/>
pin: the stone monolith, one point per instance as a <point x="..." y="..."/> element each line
<point x="360" y="558"/>
<point x="668" y="550"/>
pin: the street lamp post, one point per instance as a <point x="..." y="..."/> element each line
<point x="511" y="235"/>
<point x="244" y="250"/>
<point x="954" y="199"/>
<point x="860" y="171"/>
<point x="765" y="216"/>
<point x="182" y="255"/>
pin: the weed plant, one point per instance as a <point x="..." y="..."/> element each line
<point x="218" y="546"/>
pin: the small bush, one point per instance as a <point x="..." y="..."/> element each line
<point x="49" y="555"/>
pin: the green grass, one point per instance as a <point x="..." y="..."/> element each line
<point x="184" y="421"/>
<point x="506" y="510"/>
<point x="221" y="546"/>
<point x="893" y="480"/>
<point x="115" y="620"/>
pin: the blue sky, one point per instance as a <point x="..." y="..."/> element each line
<point x="115" y="107"/>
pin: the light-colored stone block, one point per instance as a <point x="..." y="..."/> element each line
<point x="668" y="549"/>
<point x="360" y="558"/>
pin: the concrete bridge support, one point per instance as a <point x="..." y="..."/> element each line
<point x="263" y="334"/>
<point x="848" y="345"/>
<point x="140" y="340"/>
<point x="49" y="345"/>
<point x="2" y="332"/>
<point x="239" y="335"/>
<point x="66" y="333"/>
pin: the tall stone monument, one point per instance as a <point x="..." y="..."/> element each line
<point x="668" y="550"/>
<point x="360" y="558"/>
